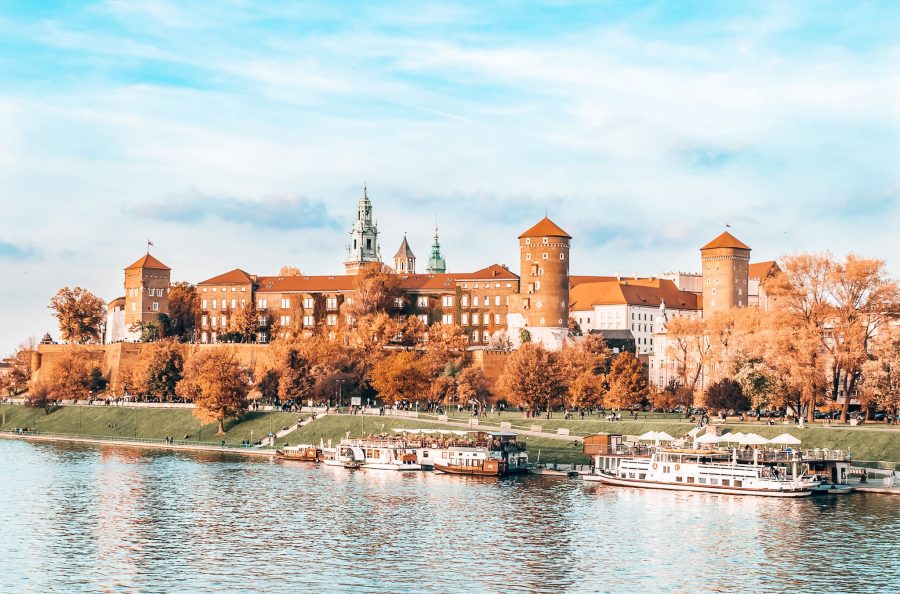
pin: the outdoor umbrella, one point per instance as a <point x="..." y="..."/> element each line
<point x="663" y="436"/>
<point x="754" y="439"/>
<point x="785" y="439"/>
<point x="649" y="436"/>
<point x="708" y="438"/>
<point x="732" y="437"/>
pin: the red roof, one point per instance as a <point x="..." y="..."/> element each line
<point x="726" y="240"/>
<point x="405" y="251"/>
<point x="642" y="292"/>
<point x="762" y="270"/>
<point x="148" y="261"/>
<point x="545" y="228"/>
<point x="306" y="284"/>
<point x="492" y="272"/>
<point x="234" y="277"/>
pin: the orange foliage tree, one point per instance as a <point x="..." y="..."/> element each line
<point x="532" y="379"/>
<point x="81" y="315"/>
<point x="73" y="376"/>
<point x="627" y="382"/>
<point x="217" y="384"/>
<point x="402" y="375"/>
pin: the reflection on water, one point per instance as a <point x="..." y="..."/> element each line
<point x="81" y="519"/>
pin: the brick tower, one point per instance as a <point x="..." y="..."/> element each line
<point x="405" y="259"/>
<point x="725" y="264"/>
<point x="146" y="290"/>
<point x="542" y="304"/>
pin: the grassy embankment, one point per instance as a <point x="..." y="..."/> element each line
<point x="150" y="423"/>
<point x="869" y="442"/>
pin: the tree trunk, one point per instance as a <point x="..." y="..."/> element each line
<point x="221" y="430"/>
<point x="846" y="406"/>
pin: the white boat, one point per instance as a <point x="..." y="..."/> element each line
<point x="344" y="457"/>
<point x="376" y="454"/>
<point x="697" y="470"/>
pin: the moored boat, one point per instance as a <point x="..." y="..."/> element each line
<point x="376" y="453"/>
<point x="301" y="453"/>
<point x="488" y="454"/>
<point x="700" y="470"/>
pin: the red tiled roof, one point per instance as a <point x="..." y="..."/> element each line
<point x="579" y="279"/>
<point x="306" y="284"/>
<point x="641" y="292"/>
<point x="545" y="228"/>
<point x="234" y="277"/>
<point x="492" y="272"/>
<point x="726" y="240"/>
<point x="762" y="270"/>
<point x="148" y="261"/>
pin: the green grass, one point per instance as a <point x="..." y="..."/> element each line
<point x="152" y="423"/>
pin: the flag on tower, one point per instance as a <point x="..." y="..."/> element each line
<point x="149" y="244"/>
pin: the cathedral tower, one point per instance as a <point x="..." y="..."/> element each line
<point x="404" y="259"/>
<point x="542" y="304"/>
<point x="363" y="248"/>
<point x="725" y="264"/>
<point x="146" y="290"/>
<point x="436" y="263"/>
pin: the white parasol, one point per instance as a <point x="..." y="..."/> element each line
<point x="753" y="439"/>
<point x="732" y="437"/>
<point x="785" y="439"/>
<point x="708" y="438"/>
<point x="649" y="436"/>
<point x="663" y="436"/>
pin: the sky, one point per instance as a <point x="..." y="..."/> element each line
<point x="240" y="134"/>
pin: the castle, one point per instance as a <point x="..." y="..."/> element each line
<point x="493" y="305"/>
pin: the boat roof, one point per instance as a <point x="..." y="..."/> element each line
<point x="500" y="433"/>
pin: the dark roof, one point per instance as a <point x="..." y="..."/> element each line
<point x="404" y="251"/>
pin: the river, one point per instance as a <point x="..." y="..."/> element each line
<point x="108" y="519"/>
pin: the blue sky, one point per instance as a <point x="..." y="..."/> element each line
<point x="239" y="134"/>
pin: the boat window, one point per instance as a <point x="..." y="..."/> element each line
<point x="713" y="481"/>
<point x="642" y="476"/>
<point x="703" y="480"/>
<point x="425" y="454"/>
<point x="690" y="479"/>
<point x="630" y="475"/>
<point x="738" y="483"/>
<point x="725" y="482"/>
<point x="678" y="479"/>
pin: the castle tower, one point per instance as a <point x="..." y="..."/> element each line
<point x="363" y="248"/>
<point x="725" y="264"/>
<point x="436" y="263"/>
<point x="542" y="304"/>
<point x="404" y="259"/>
<point x="146" y="290"/>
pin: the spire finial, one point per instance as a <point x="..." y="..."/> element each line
<point x="365" y="189"/>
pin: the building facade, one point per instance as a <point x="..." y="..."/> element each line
<point x="725" y="263"/>
<point x="147" y="286"/>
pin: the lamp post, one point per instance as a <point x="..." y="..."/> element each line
<point x="340" y="384"/>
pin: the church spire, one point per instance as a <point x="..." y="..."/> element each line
<point x="363" y="248"/>
<point x="436" y="263"/>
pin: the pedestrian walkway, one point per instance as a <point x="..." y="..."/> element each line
<point x="270" y="441"/>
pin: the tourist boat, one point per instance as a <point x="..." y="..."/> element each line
<point x="487" y="454"/>
<point x="700" y="470"/>
<point x="301" y="453"/>
<point x="375" y="453"/>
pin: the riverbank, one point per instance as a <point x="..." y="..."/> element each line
<point x="871" y="443"/>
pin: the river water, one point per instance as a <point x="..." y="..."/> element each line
<point x="108" y="519"/>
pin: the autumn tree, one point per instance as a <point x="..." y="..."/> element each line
<point x="40" y="397"/>
<point x="402" y="375"/>
<point x="531" y="379"/>
<point x="663" y="398"/>
<point x="217" y="384"/>
<point x="583" y="368"/>
<point x="688" y="347"/>
<point x="627" y="382"/>
<point x="164" y="369"/>
<point x="16" y="379"/>
<point x="375" y="290"/>
<point x="443" y="389"/>
<point x="881" y="374"/>
<point x="81" y="315"/>
<point x="446" y="343"/>
<point x="472" y="388"/>
<point x="184" y="310"/>
<point x="246" y="321"/>
<point x="726" y="394"/>
<point x="73" y="376"/>
<point x="289" y="271"/>
<point x="296" y="361"/>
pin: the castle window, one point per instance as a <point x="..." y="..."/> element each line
<point x="285" y="320"/>
<point x="475" y="319"/>
<point x="204" y="289"/>
<point x="562" y="256"/>
<point x="204" y="338"/>
<point x="465" y="319"/>
<point x="537" y="304"/>
<point x="424" y="318"/>
<point x="398" y="302"/>
<point x="224" y="320"/>
<point x="261" y="304"/>
<point x="308" y="321"/>
<point x="243" y="289"/>
<point x="308" y="303"/>
<point x="475" y="336"/>
<point x="537" y="286"/>
<point x="243" y="303"/>
<point x="215" y="303"/>
<point x="215" y="321"/>
<point x="204" y="304"/>
<point x="422" y="301"/>
<point x="233" y="303"/>
<point x="214" y="289"/>
<point x="368" y="244"/>
<point x="332" y="320"/>
<point x="155" y="306"/>
<point x="546" y="256"/>
<point x="133" y="306"/>
<point x="496" y="318"/>
<point x="509" y="285"/>
<point x="528" y="256"/>
<point x="542" y="321"/>
<point x="497" y="300"/>
<point x="527" y="241"/>
<point x="285" y="303"/>
<point x="331" y="303"/>
<point x="234" y="289"/>
<point x="447" y="319"/>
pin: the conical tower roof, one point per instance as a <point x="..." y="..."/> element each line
<point x="545" y="228"/>
<point x="726" y="240"/>
<point x="405" y="251"/>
